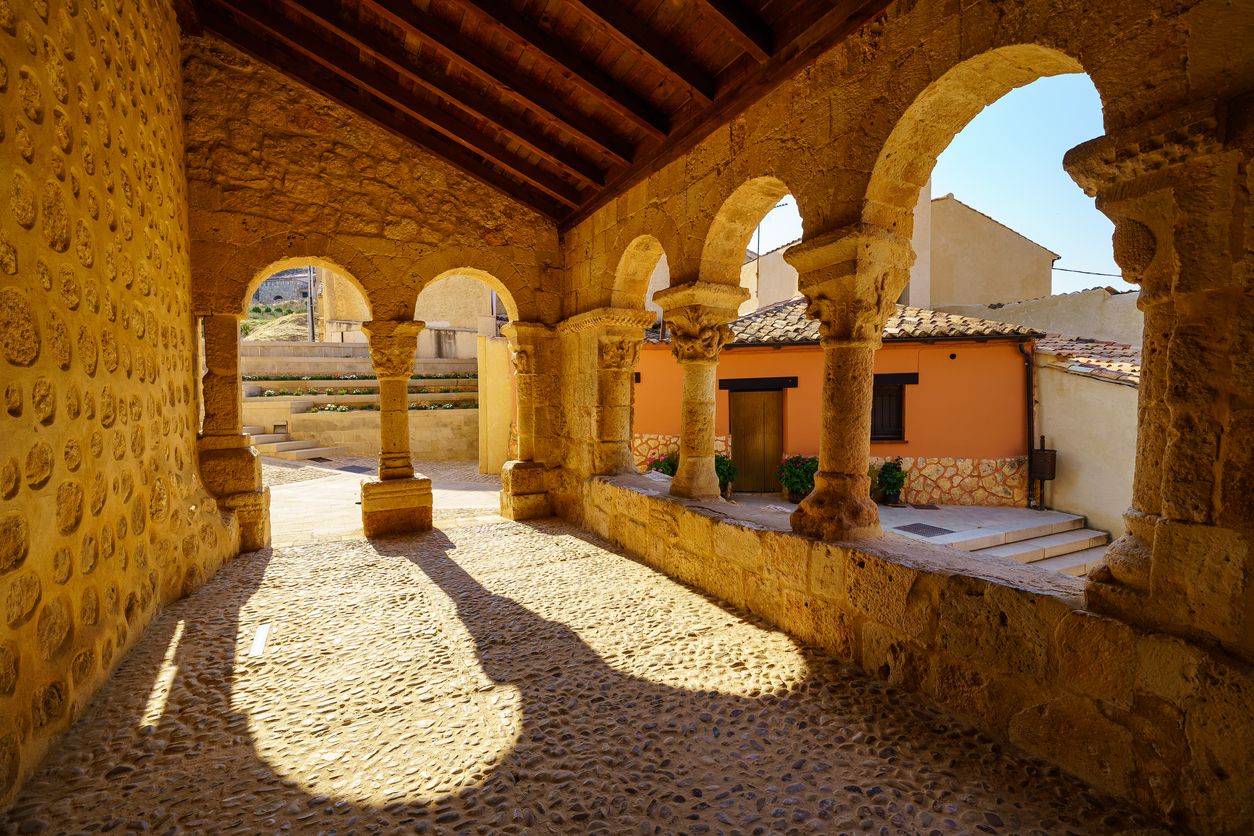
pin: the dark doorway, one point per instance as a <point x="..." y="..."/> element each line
<point x="757" y="430"/>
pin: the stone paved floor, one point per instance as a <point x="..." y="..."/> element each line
<point x="501" y="677"/>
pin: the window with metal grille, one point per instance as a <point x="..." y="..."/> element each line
<point x="888" y="412"/>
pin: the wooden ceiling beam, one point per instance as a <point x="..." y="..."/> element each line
<point x="388" y="90"/>
<point x="500" y="75"/>
<point x="634" y="34"/>
<point x="744" y="25"/>
<point x="372" y="110"/>
<point x="564" y="58"/>
<point x="323" y="14"/>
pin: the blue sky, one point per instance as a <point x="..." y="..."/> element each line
<point x="1007" y="163"/>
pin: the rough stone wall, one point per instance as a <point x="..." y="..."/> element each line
<point x="945" y="480"/>
<point x="1009" y="648"/>
<point x="645" y="447"/>
<point x="102" y="514"/>
<point x="276" y="171"/>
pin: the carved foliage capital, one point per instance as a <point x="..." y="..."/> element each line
<point x="847" y="318"/>
<point x="697" y="334"/>
<point x="392" y="346"/>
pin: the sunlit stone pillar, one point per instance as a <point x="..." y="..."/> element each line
<point x="606" y="342"/>
<point x="524" y="482"/>
<point x="1177" y="190"/>
<point x="851" y="279"/>
<point x="397" y="501"/>
<point x="229" y="466"/>
<point x="697" y="316"/>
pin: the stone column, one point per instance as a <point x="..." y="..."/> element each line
<point x="851" y="279"/>
<point x="608" y="340"/>
<point x="229" y="466"/>
<point x="524" y="482"/>
<point x="1176" y="189"/>
<point x="397" y="501"/>
<point x="697" y="315"/>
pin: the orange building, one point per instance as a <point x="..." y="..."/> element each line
<point x="951" y="398"/>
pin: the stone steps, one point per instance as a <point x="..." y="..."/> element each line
<point x="1037" y="549"/>
<point x="254" y="431"/>
<point x="1076" y="563"/>
<point x="311" y="452"/>
<point x="980" y="539"/>
<point x="281" y="446"/>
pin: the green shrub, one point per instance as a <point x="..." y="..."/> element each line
<point x="796" y="475"/>
<point x="726" y="471"/>
<point x="873" y="473"/>
<point x="667" y="464"/>
<point x="892" y="479"/>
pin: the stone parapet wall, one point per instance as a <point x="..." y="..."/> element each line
<point x="1008" y="648"/>
<point x="648" y="446"/>
<point x="963" y="481"/>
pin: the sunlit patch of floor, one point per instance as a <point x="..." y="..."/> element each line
<point x="500" y="677"/>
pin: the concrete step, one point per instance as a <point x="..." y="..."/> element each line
<point x="273" y="447"/>
<point x="310" y="453"/>
<point x="254" y="431"/>
<point x="269" y="438"/>
<point x="979" y="539"/>
<point x="1076" y="563"/>
<point x="1036" y="549"/>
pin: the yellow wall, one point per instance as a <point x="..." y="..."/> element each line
<point x="496" y="403"/>
<point x="454" y="302"/>
<point x="971" y="406"/>
<point x="102" y="513"/>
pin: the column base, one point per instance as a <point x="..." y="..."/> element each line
<point x="396" y="506"/>
<point x="696" y="478"/>
<point x="252" y="512"/>
<point x="839" y="508"/>
<point x="524" y="491"/>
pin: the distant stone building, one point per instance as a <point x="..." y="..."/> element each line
<point x="284" y="286"/>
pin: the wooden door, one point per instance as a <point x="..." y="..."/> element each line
<point x="757" y="430"/>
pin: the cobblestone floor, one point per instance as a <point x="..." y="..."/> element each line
<point x="500" y="677"/>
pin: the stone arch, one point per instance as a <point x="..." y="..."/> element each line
<point x="635" y="266"/>
<point x="937" y="115"/>
<point x="226" y="276"/>
<point x="305" y="261"/>
<point x="497" y="286"/>
<point x="724" y="250"/>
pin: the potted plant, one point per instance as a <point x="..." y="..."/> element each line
<point x="726" y="471"/>
<point x="667" y="464"/>
<point x="796" y="475"/>
<point x="873" y="474"/>
<point x="891" y="480"/>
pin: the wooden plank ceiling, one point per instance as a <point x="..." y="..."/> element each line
<point x="560" y="104"/>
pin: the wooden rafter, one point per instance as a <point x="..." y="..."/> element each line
<point x="501" y="76"/>
<point x="564" y="58"/>
<point x="390" y="91"/>
<point x="370" y="42"/>
<point x="352" y="97"/>
<point x="626" y="28"/>
<point x="744" y="26"/>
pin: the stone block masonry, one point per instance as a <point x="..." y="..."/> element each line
<point x="103" y="516"/>
<point x="963" y="481"/>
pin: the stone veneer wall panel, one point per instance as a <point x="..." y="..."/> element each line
<point x="102" y="513"/>
<point x="963" y="481"/>
<point x="1008" y="648"/>
<point x="276" y="171"/>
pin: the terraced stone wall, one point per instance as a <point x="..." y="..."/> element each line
<point x="102" y="515"/>
<point x="1011" y="649"/>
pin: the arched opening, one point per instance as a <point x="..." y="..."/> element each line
<point x="972" y="175"/>
<point x="462" y="400"/>
<point x="305" y="300"/>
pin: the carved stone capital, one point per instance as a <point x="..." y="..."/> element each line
<point x="392" y="346"/>
<point x="608" y="319"/>
<point x="697" y="315"/>
<point x="1137" y="151"/>
<point x="618" y="352"/>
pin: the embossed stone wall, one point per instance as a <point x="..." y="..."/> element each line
<point x="102" y="513"/>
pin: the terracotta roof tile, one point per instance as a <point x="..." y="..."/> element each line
<point x="1099" y="359"/>
<point x="786" y="322"/>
